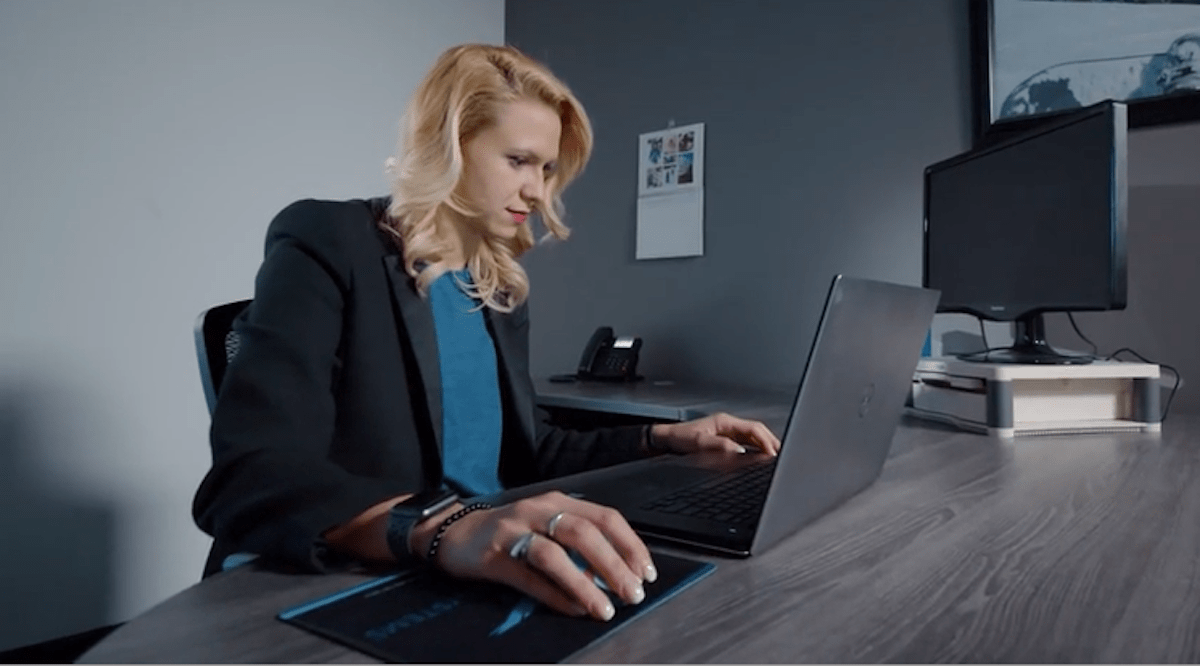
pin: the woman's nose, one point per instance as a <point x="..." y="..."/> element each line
<point x="533" y="188"/>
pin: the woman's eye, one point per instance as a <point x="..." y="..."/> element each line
<point x="516" y="160"/>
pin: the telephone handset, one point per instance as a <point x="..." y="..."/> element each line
<point x="607" y="358"/>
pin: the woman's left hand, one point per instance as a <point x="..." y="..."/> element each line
<point x="716" y="432"/>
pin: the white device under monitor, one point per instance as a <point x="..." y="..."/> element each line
<point x="1009" y="400"/>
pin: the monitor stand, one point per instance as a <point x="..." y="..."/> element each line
<point x="1028" y="347"/>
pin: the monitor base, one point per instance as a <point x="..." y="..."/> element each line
<point x="1029" y="347"/>
<point x="1026" y="355"/>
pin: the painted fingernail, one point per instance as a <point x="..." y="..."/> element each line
<point x="639" y="594"/>
<point x="741" y="449"/>
<point x="607" y="612"/>
<point x="651" y="573"/>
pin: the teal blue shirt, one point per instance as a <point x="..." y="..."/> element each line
<point x="471" y="420"/>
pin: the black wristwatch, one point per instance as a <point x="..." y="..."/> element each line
<point x="406" y="515"/>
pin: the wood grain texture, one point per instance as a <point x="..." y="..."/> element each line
<point x="968" y="549"/>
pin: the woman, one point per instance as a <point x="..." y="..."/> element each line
<point x="383" y="372"/>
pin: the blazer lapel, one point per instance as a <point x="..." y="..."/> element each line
<point x="418" y="323"/>
<point x="513" y="360"/>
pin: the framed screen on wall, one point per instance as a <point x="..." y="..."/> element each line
<point x="1036" y="59"/>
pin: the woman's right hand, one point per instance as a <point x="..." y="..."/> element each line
<point x="478" y="546"/>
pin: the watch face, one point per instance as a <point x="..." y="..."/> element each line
<point x="426" y="502"/>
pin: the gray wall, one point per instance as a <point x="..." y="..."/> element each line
<point x="146" y="145"/>
<point x="1162" y="318"/>
<point x="820" y="117"/>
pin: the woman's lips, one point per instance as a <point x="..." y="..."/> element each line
<point x="518" y="216"/>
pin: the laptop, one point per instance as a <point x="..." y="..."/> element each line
<point x="849" y="402"/>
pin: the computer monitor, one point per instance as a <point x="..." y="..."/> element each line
<point x="1031" y="225"/>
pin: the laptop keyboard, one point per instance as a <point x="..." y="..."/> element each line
<point x="734" y="498"/>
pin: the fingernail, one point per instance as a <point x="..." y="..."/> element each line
<point x="607" y="612"/>
<point x="741" y="449"/>
<point x="651" y="573"/>
<point x="639" y="594"/>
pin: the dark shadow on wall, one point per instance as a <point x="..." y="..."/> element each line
<point x="56" y="566"/>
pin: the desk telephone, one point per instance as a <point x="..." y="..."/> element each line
<point x="607" y="358"/>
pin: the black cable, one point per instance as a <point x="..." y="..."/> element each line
<point x="1095" y="349"/>
<point x="1143" y="359"/>
<point x="985" y="351"/>
<point x="982" y="334"/>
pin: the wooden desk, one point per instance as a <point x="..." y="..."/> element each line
<point x="968" y="549"/>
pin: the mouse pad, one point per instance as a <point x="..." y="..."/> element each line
<point x="424" y="616"/>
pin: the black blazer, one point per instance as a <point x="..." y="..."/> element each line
<point x="333" y="403"/>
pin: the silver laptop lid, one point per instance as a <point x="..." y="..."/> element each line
<point x="850" y="400"/>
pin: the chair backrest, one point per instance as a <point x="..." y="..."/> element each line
<point x="216" y="345"/>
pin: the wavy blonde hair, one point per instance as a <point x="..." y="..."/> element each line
<point x="459" y="97"/>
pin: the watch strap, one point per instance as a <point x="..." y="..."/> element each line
<point x="406" y="515"/>
<point x="399" y="529"/>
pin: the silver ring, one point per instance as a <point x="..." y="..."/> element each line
<point x="553" y="524"/>
<point x="520" y="549"/>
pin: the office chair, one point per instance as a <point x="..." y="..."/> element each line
<point x="216" y="345"/>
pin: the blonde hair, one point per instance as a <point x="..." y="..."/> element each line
<point x="459" y="97"/>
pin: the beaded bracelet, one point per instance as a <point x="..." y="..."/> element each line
<point x="441" y="530"/>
